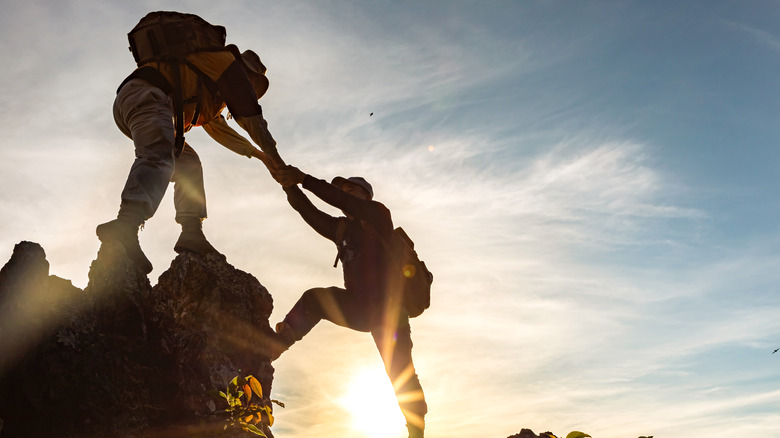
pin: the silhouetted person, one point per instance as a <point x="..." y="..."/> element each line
<point x="367" y="303"/>
<point x="208" y="81"/>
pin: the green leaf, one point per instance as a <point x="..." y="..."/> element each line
<point x="576" y="434"/>
<point x="252" y="428"/>
<point x="256" y="387"/>
<point x="233" y="386"/>
<point x="214" y="394"/>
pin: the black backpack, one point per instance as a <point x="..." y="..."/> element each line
<point x="414" y="275"/>
<point x="407" y="271"/>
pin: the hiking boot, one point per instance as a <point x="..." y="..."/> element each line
<point x="285" y="337"/>
<point x="126" y="234"/>
<point x="415" y="431"/>
<point x="194" y="241"/>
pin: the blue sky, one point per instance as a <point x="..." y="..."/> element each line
<point x="593" y="184"/>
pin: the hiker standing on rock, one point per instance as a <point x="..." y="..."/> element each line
<point x="186" y="76"/>
<point x="369" y="301"/>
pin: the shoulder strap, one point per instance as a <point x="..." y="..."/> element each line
<point x="151" y="75"/>
<point x="341" y="227"/>
<point x="178" y="109"/>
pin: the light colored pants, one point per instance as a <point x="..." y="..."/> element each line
<point x="144" y="113"/>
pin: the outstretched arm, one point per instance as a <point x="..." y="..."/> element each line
<point x="321" y="222"/>
<point x="235" y="87"/>
<point x="371" y="211"/>
<point x="222" y="133"/>
<point x="289" y="177"/>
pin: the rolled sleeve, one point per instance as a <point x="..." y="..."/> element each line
<point x="222" y="133"/>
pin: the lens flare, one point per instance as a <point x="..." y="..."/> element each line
<point x="371" y="402"/>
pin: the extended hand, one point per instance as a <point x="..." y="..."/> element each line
<point x="260" y="155"/>
<point x="288" y="176"/>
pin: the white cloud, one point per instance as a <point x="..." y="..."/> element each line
<point x="760" y="35"/>
<point x="576" y="287"/>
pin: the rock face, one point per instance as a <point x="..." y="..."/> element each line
<point x="123" y="358"/>
<point x="528" y="433"/>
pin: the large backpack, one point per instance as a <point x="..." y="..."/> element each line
<point x="414" y="275"/>
<point x="407" y="271"/>
<point x="168" y="37"/>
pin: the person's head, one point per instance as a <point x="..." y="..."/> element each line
<point x="356" y="186"/>
<point x="255" y="70"/>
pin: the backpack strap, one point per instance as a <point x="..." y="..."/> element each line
<point x="198" y="102"/>
<point x="151" y="75"/>
<point x="178" y="108"/>
<point x="341" y="227"/>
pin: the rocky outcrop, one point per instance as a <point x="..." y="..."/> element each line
<point x="528" y="433"/>
<point x="123" y="358"/>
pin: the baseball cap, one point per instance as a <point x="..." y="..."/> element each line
<point x="339" y="181"/>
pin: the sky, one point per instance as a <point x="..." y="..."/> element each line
<point x="592" y="183"/>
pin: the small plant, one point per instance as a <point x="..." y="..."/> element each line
<point x="246" y="408"/>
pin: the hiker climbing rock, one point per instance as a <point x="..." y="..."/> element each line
<point x="371" y="300"/>
<point x="186" y="76"/>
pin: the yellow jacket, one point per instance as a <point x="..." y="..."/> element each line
<point x="194" y="91"/>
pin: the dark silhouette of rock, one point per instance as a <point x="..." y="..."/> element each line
<point x="528" y="433"/>
<point x="123" y="358"/>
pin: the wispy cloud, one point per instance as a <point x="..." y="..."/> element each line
<point x="761" y="36"/>
<point x="579" y="283"/>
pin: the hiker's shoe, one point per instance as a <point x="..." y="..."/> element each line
<point x="194" y="241"/>
<point x="414" y="431"/>
<point x="285" y="337"/>
<point x="126" y="234"/>
<point x="285" y="333"/>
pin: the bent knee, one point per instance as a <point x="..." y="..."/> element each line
<point x="318" y="294"/>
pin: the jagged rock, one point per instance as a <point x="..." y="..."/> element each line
<point x="123" y="358"/>
<point x="31" y="301"/>
<point x="528" y="433"/>
<point x="206" y="295"/>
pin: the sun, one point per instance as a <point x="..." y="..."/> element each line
<point x="370" y="400"/>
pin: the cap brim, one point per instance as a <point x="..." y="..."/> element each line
<point x="259" y="83"/>
<point x="339" y="181"/>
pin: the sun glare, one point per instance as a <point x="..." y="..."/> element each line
<point x="371" y="402"/>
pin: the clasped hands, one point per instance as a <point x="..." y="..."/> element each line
<point x="288" y="176"/>
<point x="284" y="174"/>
